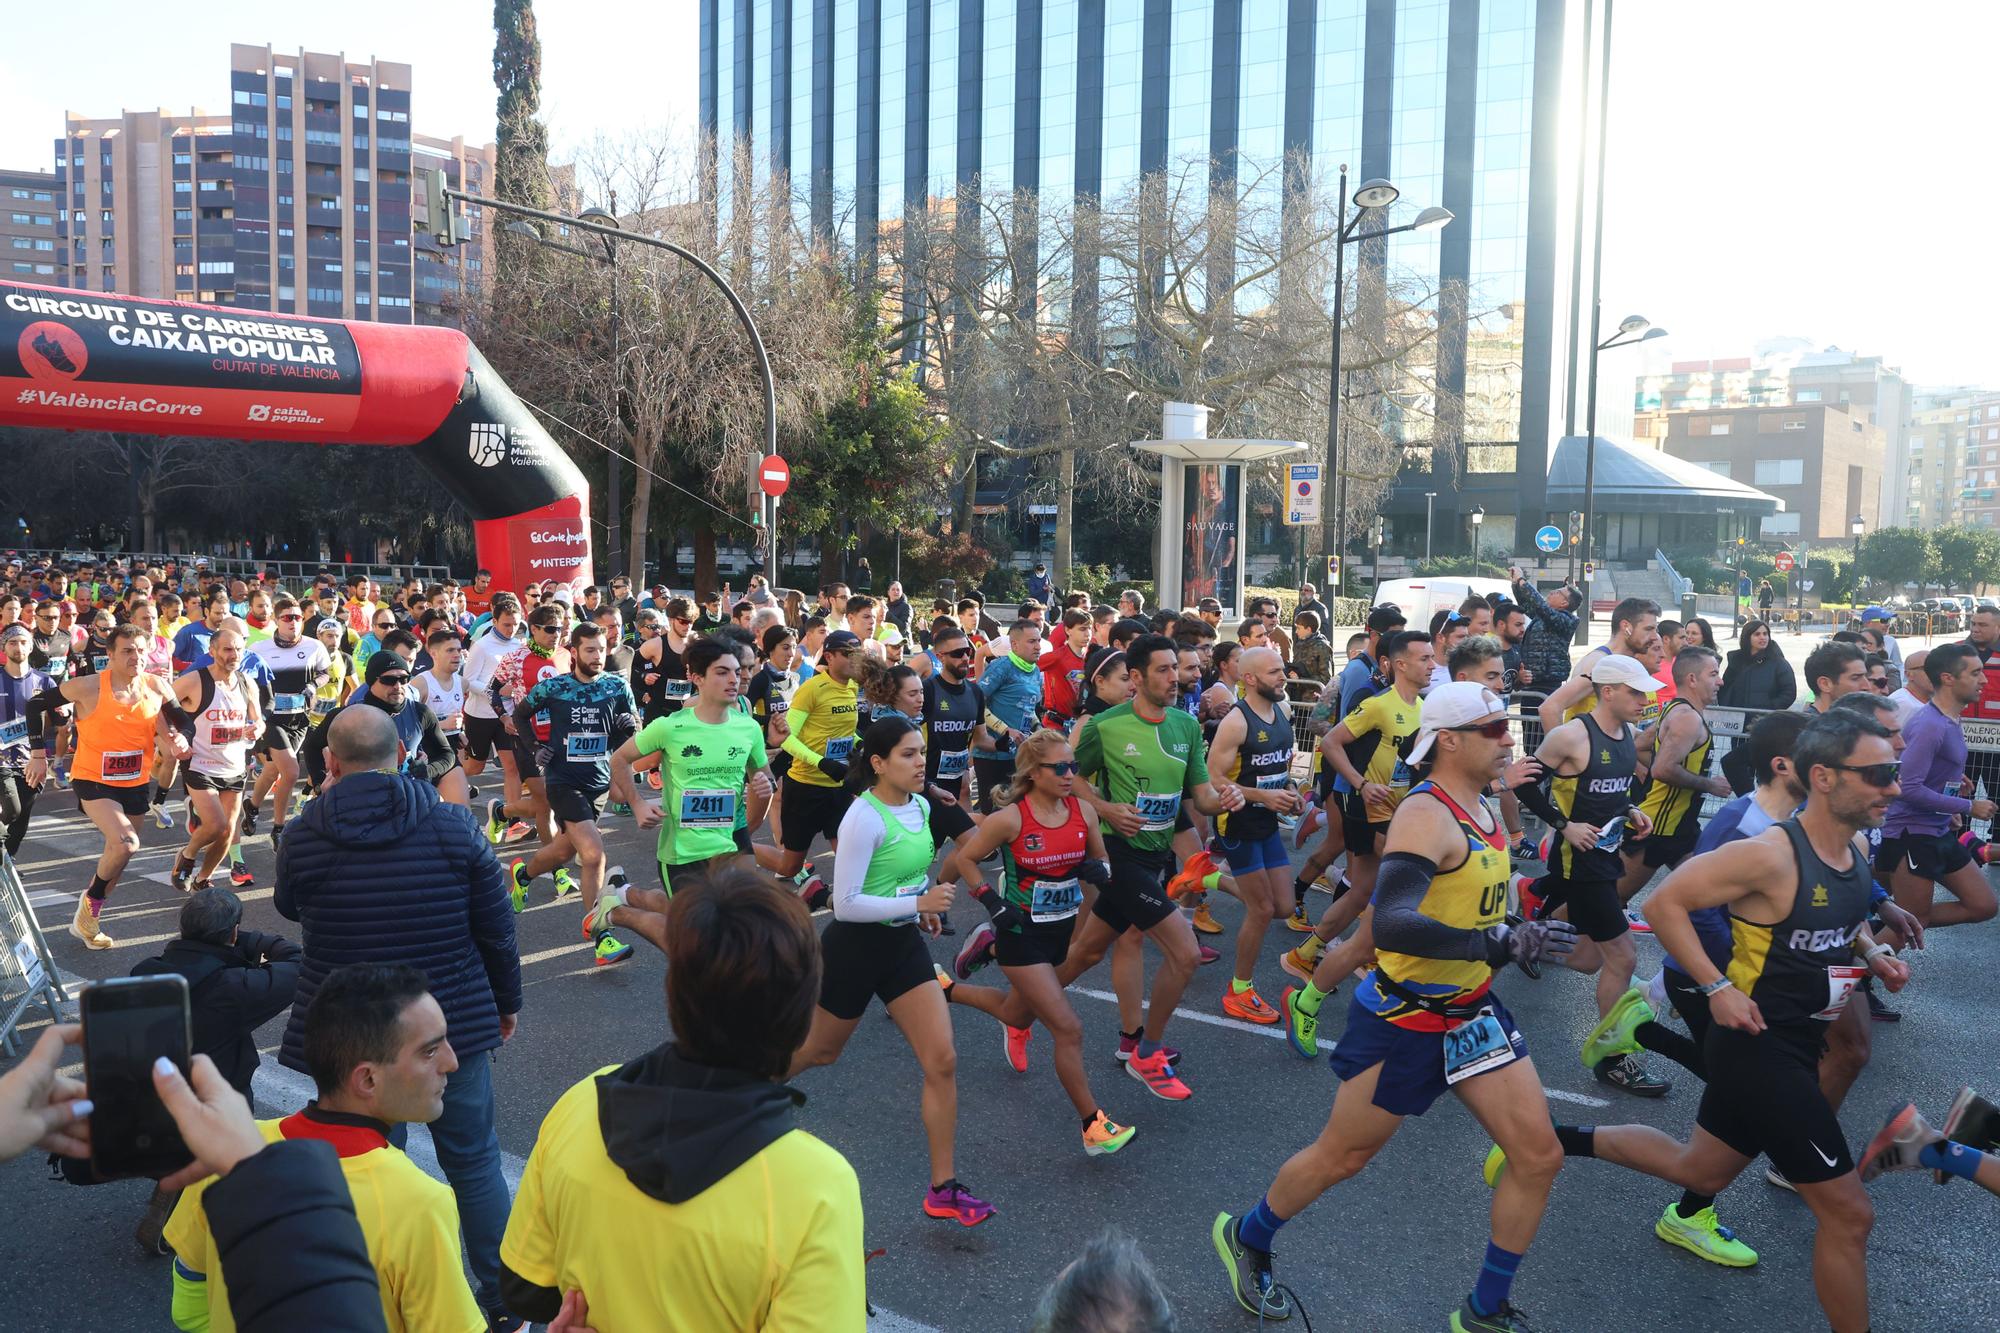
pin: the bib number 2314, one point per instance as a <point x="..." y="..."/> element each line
<point x="1477" y="1046"/>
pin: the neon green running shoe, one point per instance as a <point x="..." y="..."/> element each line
<point x="610" y="949"/>
<point x="1103" y="1135"/>
<point x="1506" y="1319"/>
<point x="1704" y="1236"/>
<point x="1496" y="1166"/>
<point x="1613" y="1036"/>
<point x="517" y="885"/>
<point x="565" y="882"/>
<point x="1301" y="1028"/>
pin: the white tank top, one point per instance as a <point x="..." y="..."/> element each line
<point x="222" y="730"/>
<point x="449" y="705"/>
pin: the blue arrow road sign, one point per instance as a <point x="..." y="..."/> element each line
<point x="1549" y="538"/>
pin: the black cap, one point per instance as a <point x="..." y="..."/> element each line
<point x="841" y="641"/>
<point x="1386" y="617"/>
<point x="385" y="663"/>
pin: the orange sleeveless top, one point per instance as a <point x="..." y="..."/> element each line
<point x="115" y="744"/>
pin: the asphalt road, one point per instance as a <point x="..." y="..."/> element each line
<point x="1396" y="1248"/>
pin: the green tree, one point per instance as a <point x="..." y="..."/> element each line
<point x="1895" y="556"/>
<point x="521" y="167"/>
<point x="1965" y="557"/>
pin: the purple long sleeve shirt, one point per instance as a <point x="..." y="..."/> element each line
<point x="1933" y="766"/>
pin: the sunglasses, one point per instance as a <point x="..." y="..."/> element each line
<point x="1875" y="775"/>
<point x="291" y="618"/>
<point x="956" y="652"/>
<point x="1067" y="768"/>
<point x="1492" y="731"/>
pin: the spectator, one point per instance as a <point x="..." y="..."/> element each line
<point x="376" y="1045"/>
<point x="896" y="607"/>
<point x="1765" y="596"/>
<point x="1109" y="1288"/>
<point x="1040" y="587"/>
<point x="1309" y="601"/>
<point x="636" y="1192"/>
<point x="1916" y="689"/>
<point x="1757" y="674"/>
<point x="759" y="592"/>
<point x="238" y="980"/>
<point x="379" y="869"/>
<point x="1551" y="629"/>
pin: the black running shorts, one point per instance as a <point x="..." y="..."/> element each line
<point x="864" y="960"/>
<point x="1137" y="893"/>
<point x="1763" y="1096"/>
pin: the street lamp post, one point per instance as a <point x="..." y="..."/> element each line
<point x="1632" y="329"/>
<point x="1375" y="572"/>
<point x="1368" y="196"/>
<point x="1478" y="525"/>
<point x="1429" y="498"/>
<point x="1857" y="526"/>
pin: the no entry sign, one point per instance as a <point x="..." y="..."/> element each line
<point x="774" y="474"/>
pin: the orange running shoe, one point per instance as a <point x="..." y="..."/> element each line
<point x="1188" y="882"/>
<point x="1248" y="1005"/>
<point x="1296" y="964"/>
<point x="1204" y="922"/>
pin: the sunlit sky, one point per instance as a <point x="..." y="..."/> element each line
<point x="1808" y="168"/>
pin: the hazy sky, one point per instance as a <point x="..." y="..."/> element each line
<point x="1779" y="167"/>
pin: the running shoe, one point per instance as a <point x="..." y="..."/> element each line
<point x="1629" y="1075"/>
<point x="1301" y="1028"/>
<point x="1157" y="1073"/>
<point x="1297" y="965"/>
<point x="1973" y="1121"/>
<point x="1773" y="1176"/>
<point x="160" y="816"/>
<point x="952" y="1200"/>
<point x="1204" y="953"/>
<point x="517" y="831"/>
<point x="1637" y="923"/>
<point x="1528" y="897"/>
<point x="977" y="951"/>
<point x="1248" y="1005"/>
<point x="1899" y="1144"/>
<point x="1613" y="1035"/>
<point x="618" y="809"/>
<point x="1249" y="1272"/>
<point x="1878" y="1008"/>
<point x="1103" y="1136"/>
<point x="1704" y="1236"/>
<point x="1525" y="850"/>
<point x="177" y="875"/>
<point x="814" y="891"/>
<point x="1298" y="922"/>
<point x="1309" y="824"/>
<point x="240" y="876"/>
<point x="249" y="821"/>
<point x="945" y="980"/>
<point x="609" y="949"/>
<point x="517" y="885"/>
<point x="1015" y="1042"/>
<point x="86" y="926"/>
<point x="1654" y="988"/>
<point x="565" y="882"/>
<point x="496" y="820"/>
<point x="1506" y="1319"/>
<point x="1128" y="1046"/>
<point x="1203" y="922"/>
<point x="606" y="947"/>
<point x="1495" y="1167"/>
<point x="1189" y="881"/>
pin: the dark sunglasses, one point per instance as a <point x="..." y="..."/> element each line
<point x="1875" y="775"/>
<point x="1067" y="768"/>
<point x="1492" y="731"/>
<point x="291" y="617"/>
<point x="956" y="652"/>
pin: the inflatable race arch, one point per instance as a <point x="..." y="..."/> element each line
<point x="72" y="360"/>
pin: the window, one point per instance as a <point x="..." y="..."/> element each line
<point x="1781" y="525"/>
<point x="1781" y="472"/>
<point x="1795" y="423"/>
<point x="361" y="298"/>
<point x="23" y="243"/>
<point x="1720" y="468"/>
<point x="1806" y="396"/>
<point x="45" y="245"/>
<point x="19" y="194"/>
<point x="1718" y="425"/>
<point x="218" y="266"/>
<point x="361" y="173"/>
<point x="21" y="219"/>
<point x="287" y="293"/>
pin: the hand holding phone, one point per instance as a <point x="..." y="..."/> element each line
<point x="40" y="1108"/>
<point x="128" y="1023"/>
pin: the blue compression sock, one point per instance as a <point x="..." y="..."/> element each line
<point x="1147" y="1048"/>
<point x="1258" y="1228"/>
<point x="1952" y="1158"/>
<point x="1496" y="1280"/>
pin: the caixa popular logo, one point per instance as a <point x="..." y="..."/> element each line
<point x="488" y="445"/>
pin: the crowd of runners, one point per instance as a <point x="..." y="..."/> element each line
<point x="1090" y="774"/>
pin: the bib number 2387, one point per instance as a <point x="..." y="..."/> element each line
<point x="1475" y="1047"/>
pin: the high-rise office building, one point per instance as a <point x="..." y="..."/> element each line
<point x="298" y="201"/>
<point x="28" y="250"/>
<point x="872" y="108"/>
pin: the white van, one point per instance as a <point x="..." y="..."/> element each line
<point x="1420" y="599"/>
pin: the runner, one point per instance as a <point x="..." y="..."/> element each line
<point x="590" y="714"/>
<point x="297" y="665"/>
<point x="1049" y="848"/>
<point x="486" y="737"/>
<point x="227" y="722"/>
<point x="191" y="643"/>
<point x="1797" y="897"/>
<point x="1011" y="685"/>
<point x="1062" y="670"/>
<point x="710" y="753"/>
<point x="517" y="673"/>
<point x="427" y="755"/>
<point x="1585" y="797"/>
<point x="1253" y="750"/>
<point x="1426" y="1020"/>
<point x="1634" y="623"/>
<point x="24" y="751"/>
<point x="1919" y="847"/>
<point x="1678" y="772"/>
<point x="883" y="897"/>
<point x="123" y="717"/>
<point x="442" y="689"/>
<point x="821" y="743"/>
<point x="663" y="678"/>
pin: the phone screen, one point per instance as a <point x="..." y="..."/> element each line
<point x="127" y="1024"/>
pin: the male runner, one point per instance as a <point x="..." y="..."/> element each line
<point x="1832" y="670"/>
<point x="1253" y="751"/>
<point x="1012" y="688"/>
<point x="1918" y="846"/>
<point x="24" y="751"/>
<point x="1585" y="797"/>
<point x="124" y="715"/>
<point x="1679" y="772"/>
<point x="427" y="755"/>
<point x="814" y="796"/>
<point x="954" y="707"/>
<point x="1426" y="1020"/>
<point x="191" y="643"/>
<point x="1062" y="670"/>
<point x="442" y="687"/>
<point x="1634" y="622"/>
<point x="486" y="736"/>
<point x="519" y="672"/>
<point x="1797" y="897"/>
<point x="297" y="663"/>
<point x="663" y="681"/>
<point x="590" y="714"/>
<point x="711" y="752"/>
<point x="227" y="722"/>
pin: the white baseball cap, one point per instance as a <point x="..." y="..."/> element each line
<point x="1453" y="704"/>
<point x="1618" y="669"/>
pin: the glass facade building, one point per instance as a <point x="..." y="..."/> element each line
<point x="876" y="107"/>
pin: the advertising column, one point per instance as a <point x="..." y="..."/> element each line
<point x="1212" y="535"/>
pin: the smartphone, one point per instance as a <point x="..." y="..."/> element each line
<point x="128" y="1023"/>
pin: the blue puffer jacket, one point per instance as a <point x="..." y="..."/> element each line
<point x="380" y="870"/>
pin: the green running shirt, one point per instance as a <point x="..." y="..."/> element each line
<point x="1150" y="765"/>
<point x="703" y="775"/>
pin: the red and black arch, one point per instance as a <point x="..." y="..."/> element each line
<point x="75" y="360"/>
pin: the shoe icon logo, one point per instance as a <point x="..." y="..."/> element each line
<point x="52" y="351"/>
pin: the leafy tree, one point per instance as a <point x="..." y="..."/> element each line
<point x="1896" y="556"/>
<point x="1965" y="556"/>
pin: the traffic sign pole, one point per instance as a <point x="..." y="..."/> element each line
<point x="774" y="477"/>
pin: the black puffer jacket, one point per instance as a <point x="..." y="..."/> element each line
<point x="233" y="989"/>
<point x="379" y="869"/>
<point x="1758" y="680"/>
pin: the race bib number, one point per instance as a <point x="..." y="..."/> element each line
<point x="1402" y="775"/>
<point x="1840" y="984"/>
<point x="15" y="732"/>
<point x="952" y="763"/>
<point x="840" y="747"/>
<point x="1476" y="1047"/>
<point x="1157" y="809"/>
<point x="100" y="662"/>
<point x="323" y="707"/>
<point x="708" y="808"/>
<point x="680" y="691"/>
<point x="1612" y="836"/>
<point x="912" y="891"/>
<point x="1055" y="899"/>
<point x="453" y="725"/>
<point x="123" y="764"/>
<point x="1274" y="782"/>
<point x="288" y="703"/>
<point x="585" y="745"/>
